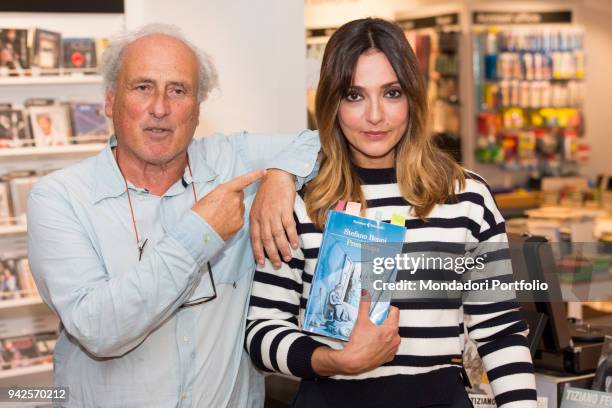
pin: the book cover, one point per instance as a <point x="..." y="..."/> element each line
<point x="50" y="125"/>
<point x="344" y="267"/>
<point x="20" y="189"/>
<point x="89" y="124"/>
<point x="21" y="350"/>
<point x="14" y="130"/>
<point x="46" y="49"/>
<point x="79" y="53"/>
<point x="14" y="53"/>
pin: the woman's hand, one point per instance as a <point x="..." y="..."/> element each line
<point x="272" y="225"/>
<point x="369" y="346"/>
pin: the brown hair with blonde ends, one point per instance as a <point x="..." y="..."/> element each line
<point x="425" y="174"/>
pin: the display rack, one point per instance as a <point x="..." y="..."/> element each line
<point x="435" y="41"/>
<point x="529" y="86"/>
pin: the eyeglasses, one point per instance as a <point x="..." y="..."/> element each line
<point x="203" y="299"/>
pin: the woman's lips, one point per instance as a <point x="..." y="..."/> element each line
<point x="375" y="135"/>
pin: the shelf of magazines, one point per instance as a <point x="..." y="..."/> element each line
<point x="45" y="158"/>
<point x="23" y="371"/>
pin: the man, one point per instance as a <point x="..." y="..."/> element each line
<point x="141" y="250"/>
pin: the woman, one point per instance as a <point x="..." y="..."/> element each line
<point x="371" y="111"/>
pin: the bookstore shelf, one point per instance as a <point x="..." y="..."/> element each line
<point x="76" y="79"/>
<point x="44" y="158"/>
<point x="22" y="302"/>
<point x="23" y="371"/>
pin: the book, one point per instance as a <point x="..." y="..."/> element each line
<point x="38" y="102"/>
<point x="344" y="267"/>
<point x="14" y="131"/>
<point x="89" y="123"/>
<point x="20" y="189"/>
<point x="50" y="125"/>
<point x="79" y="53"/>
<point x="46" y="48"/>
<point x="101" y="45"/>
<point x="8" y="282"/>
<point x="5" y="207"/>
<point x="25" y="279"/>
<point x="14" y="48"/>
<point x="603" y="374"/>
<point x="21" y="351"/>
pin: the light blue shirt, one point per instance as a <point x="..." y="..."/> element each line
<point x="125" y="342"/>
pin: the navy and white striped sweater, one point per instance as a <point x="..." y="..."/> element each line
<point x="426" y="366"/>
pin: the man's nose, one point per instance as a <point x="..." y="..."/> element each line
<point x="160" y="106"/>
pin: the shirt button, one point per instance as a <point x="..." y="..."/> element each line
<point x="183" y="395"/>
<point x="206" y="238"/>
<point x="306" y="165"/>
<point x="186" y="339"/>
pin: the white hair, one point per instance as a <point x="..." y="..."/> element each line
<point x="113" y="55"/>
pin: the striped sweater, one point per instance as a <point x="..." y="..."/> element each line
<point x="427" y="364"/>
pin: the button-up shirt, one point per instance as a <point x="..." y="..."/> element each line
<point x="125" y="342"/>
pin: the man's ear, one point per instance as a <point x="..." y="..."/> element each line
<point x="109" y="99"/>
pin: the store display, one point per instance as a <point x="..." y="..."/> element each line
<point x="79" y="52"/>
<point x="14" y="131"/>
<point x="50" y="125"/>
<point x="531" y="79"/>
<point x="5" y="209"/>
<point x="46" y="48"/>
<point x="435" y="41"/>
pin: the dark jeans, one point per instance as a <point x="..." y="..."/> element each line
<point x="309" y="396"/>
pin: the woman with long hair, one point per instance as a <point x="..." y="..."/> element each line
<point x="371" y="110"/>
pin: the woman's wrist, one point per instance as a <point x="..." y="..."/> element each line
<point x="325" y="361"/>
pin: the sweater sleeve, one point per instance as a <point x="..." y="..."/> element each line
<point x="274" y="340"/>
<point x="493" y="319"/>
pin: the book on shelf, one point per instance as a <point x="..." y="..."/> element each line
<point x="19" y="188"/>
<point x="14" y="130"/>
<point x="46" y="48"/>
<point x="79" y="53"/>
<point x="20" y="351"/>
<point x="9" y="288"/>
<point x="39" y="102"/>
<point x="344" y="267"/>
<point x="50" y="125"/>
<point x="89" y="123"/>
<point x="5" y="205"/>
<point x="14" y="53"/>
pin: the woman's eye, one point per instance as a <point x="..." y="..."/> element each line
<point x="353" y="96"/>
<point x="394" y="93"/>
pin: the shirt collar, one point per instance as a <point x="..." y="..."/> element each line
<point x="108" y="181"/>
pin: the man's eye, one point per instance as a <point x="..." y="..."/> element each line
<point x="394" y="93"/>
<point x="353" y="96"/>
<point x="142" y="87"/>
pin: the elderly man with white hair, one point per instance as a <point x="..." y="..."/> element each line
<point x="142" y="250"/>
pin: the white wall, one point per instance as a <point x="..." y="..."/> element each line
<point x="258" y="48"/>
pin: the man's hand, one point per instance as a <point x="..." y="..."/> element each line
<point x="369" y="346"/>
<point x="272" y="218"/>
<point x="223" y="207"/>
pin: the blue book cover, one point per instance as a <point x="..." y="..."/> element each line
<point x="344" y="267"/>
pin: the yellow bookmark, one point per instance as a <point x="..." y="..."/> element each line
<point x="397" y="219"/>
